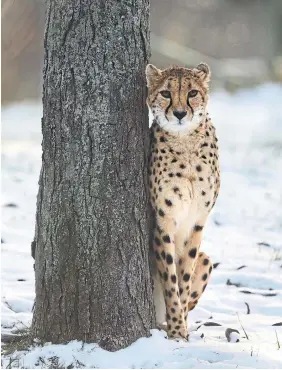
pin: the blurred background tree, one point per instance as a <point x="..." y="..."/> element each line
<point x="240" y="39"/>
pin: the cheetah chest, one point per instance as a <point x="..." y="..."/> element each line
<point x="183" y="180"/>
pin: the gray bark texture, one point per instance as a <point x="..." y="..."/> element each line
<point x="92" y="231"/>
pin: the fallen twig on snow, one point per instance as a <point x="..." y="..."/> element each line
<point x="232" y="338"/>
<point x="242" y="326"/>
<point x="248" y="308"/>
<point x="241" y="267"/>
<point x="278" y="344"/>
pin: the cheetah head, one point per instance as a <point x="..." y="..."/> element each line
<point x="178" y="96"/>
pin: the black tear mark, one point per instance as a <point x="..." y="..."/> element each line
<point x="166" y="111"/>
<point x="192" y="110"/>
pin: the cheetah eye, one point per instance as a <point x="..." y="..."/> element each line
<point x="165" y="94"/>
<point x="192" y="93"/>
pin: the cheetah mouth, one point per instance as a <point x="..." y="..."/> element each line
<point x="171" y="124"/>
<point x="179" y="122"/>
<point x="182" y="122"/>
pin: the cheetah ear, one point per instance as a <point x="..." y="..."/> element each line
<point x="152" y="74"/>
<point x="203" y="72"/>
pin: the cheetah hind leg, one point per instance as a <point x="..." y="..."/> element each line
<point x="200" y="279"/>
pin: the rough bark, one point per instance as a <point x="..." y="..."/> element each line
<point x="91" y="256"/>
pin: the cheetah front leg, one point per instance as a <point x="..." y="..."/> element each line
<point x="164" y="247"/>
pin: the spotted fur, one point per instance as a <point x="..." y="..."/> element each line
<point x="184" y="180"/>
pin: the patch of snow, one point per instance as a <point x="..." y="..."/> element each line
<point x="243" y="235"/>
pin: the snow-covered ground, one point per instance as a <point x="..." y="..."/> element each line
<point x="244" y="235"/>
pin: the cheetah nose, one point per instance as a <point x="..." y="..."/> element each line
<point x="179" y="115"/>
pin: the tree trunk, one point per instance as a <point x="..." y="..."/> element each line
<point x="91" y="238"/>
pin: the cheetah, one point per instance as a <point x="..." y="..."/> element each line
<point x="184" y="181"/>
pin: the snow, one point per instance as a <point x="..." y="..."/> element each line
<point x="158" y="352"/>
<point x="243" y="235"/>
